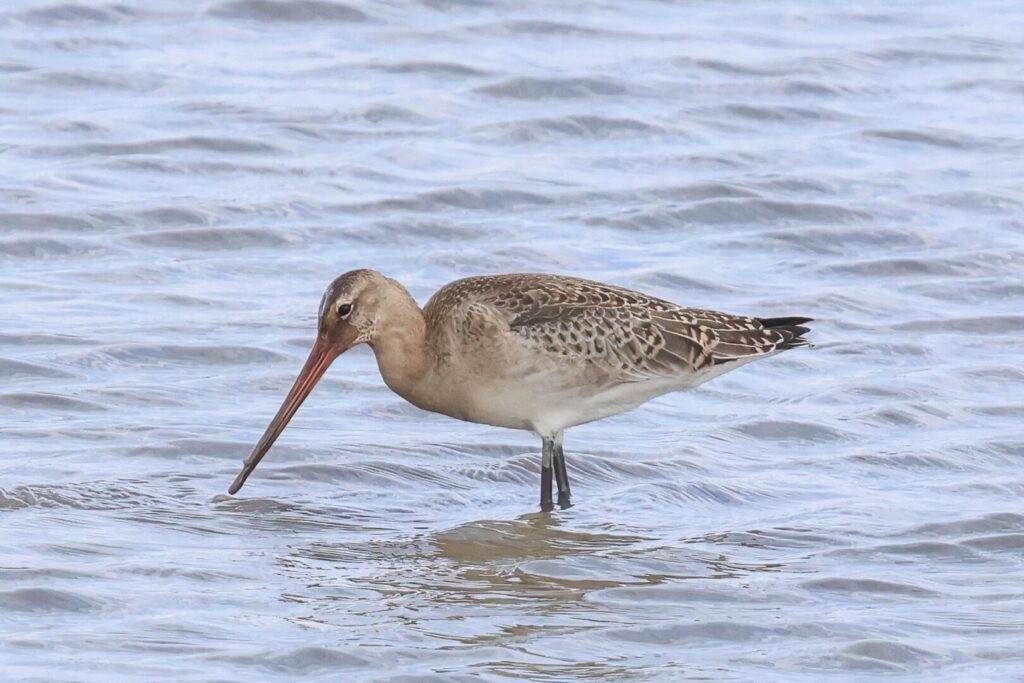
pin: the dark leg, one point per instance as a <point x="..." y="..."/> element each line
<point x="546" y="474"/>
<point x="561" y="475"/>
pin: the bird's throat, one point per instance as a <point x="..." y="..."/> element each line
<point x="403" y="355"/>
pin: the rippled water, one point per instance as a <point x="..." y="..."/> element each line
<point x="179" y="181"/>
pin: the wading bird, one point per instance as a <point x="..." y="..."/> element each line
<point x="527" y="351"/>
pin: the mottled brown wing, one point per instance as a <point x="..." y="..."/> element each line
<point x="740" y="337"/>
<point x="626" y="343"/>
<point x="627" y="334"/>
<point x="624" y="333"/>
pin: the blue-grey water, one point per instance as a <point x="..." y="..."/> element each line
<point x="180" y="180"/>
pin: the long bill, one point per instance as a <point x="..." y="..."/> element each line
<point x="320" y="358"/>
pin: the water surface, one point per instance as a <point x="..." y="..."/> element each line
<point x="179" y="182"/>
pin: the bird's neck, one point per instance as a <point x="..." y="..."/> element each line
<point x="403" y="354"/>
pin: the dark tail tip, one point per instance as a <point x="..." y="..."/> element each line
<point x="793" y="328"/>
<point x="783" y="322"/>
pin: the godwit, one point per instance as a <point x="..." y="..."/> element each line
<point x="536" y="352"/>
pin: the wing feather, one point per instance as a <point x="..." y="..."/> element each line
<point x="627" y="335"/>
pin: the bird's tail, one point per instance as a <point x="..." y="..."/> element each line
<point x="769" y="336"/>
<point x="792" y="329"/>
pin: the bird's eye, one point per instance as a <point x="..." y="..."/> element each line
<point x="344" y="310"/>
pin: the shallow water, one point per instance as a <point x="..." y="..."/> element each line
<point x="179" y="182"/>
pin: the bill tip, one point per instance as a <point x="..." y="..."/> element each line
<point x="236" y="485"/>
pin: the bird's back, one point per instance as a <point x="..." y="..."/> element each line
<point x="627" y="334"/>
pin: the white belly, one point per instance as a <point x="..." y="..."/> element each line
<point x="538" y="407"/>
<point x="540" y="394"/>
<point x="548" y="402"/>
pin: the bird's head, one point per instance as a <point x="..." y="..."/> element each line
<point x="350" y="310"/>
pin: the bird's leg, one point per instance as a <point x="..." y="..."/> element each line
<point x="561" y="474"/>
<point x="547" y="456"/>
